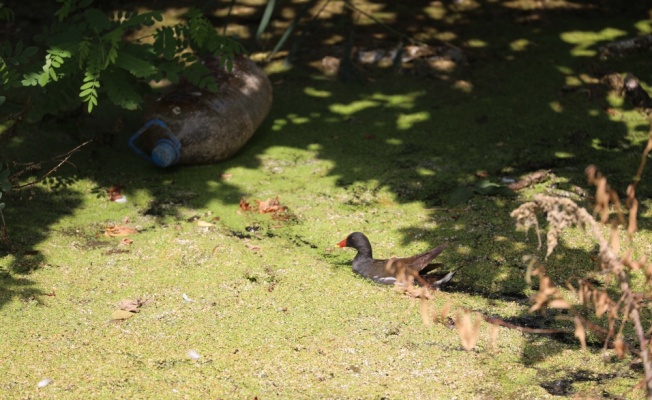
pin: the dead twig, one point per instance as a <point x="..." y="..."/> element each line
<point x="64" y="158"/>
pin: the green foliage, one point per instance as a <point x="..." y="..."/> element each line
<point x="5" y="13"/>
<point x="85" y="48"/>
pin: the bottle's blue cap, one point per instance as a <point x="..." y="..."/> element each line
<point x="165" y="153"/>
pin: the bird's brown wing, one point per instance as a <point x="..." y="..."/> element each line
<point x="421" y="261"/>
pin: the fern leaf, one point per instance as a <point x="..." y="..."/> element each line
<point x="121" y="90"/>
<point x="6" y="14"/>
<point x="136" y="66"/>
<point x="89" y="92"/>
<point x="97" y="20"/>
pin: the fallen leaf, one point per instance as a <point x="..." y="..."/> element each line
<point x="227" y="176"/>
<point x="253" y="247"/>
<point x="121" y="315"/>
<point x="245" y="206"/>
<point x="129" y="305"/>
<point x="204" y="224"/>
<point x="270" y="206"/>
<point x="125" y="242"/>
<point x="118" y="230"/>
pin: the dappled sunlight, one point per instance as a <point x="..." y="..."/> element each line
<point x="497" y="91"/>
<point x="520" y="45"/>
<point x="311" y="91"/>
<point x="556" y="106"/>
<point x="478" y="43"/>
<point x="408" y="121"/>
<point x="585" y="41"/>
<point x="353" y="107"/>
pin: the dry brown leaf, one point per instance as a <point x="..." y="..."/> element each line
<point x="253" y="247"/>
<point x="619" y="346"/>
<point x="580" y="332"/>
<point x="425" y="310"/>
<point x="443" y="314"/>
<point x="118" y="230"/>
<point x="601" y="303"/>
<point x="125" y="242"/>
<point x="559" y="303"/>
<point x="244" y="206"/>
<point x="632" y="225"/>
<point x="493" y="336"/>
<point x="468" y="331"/>
<point x="613" y="237"/>
<point x="270" y="206"/>
<point x="129" y="305"/>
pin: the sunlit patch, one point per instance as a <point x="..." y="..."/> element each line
<point x="573" y="81"/>
<point x="464" y="86"/>
<point x="564" y="154"/>
<point x="519" y="44"/>
<point x="405" y="100"/>
<point x="476" y="43"/>
<point x="310" y="91"/>
<point x="425" y="172"/>
<point x="564" y="69"/>
<point x="644" y="26"/>
<point x="354" y="107"/>
<point x="556" y="106"/>
<point x="446" y="36"/>
<point x="436" y="10"/>
<point x="299" y="120"/>
<point x="394" y="141"/>
<point x="585" y="41"/>
<point x="279" y="123"/>
<point x="407" y="121"/>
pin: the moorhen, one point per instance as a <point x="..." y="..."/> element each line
<point x="387" y="271"/>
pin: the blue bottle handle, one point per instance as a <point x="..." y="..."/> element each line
<point x="166" y="151"/>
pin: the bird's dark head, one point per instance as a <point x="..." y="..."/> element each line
<point x="357" y="240"/>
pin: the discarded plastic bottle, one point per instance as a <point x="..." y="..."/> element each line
<point x="193" y="126"/>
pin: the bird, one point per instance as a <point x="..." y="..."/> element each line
<point x="395" y="269"/>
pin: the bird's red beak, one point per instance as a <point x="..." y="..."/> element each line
<point x="342" y="243"/>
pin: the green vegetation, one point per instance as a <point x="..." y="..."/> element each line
<point x="237" y="304"/>
<point x="89" y="51"/>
